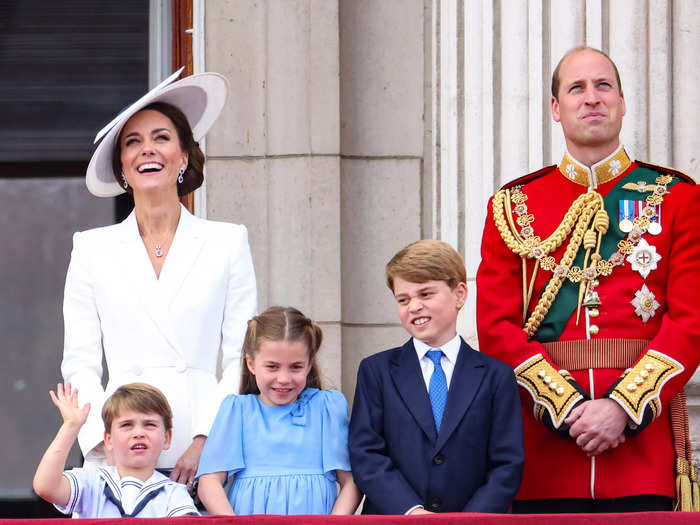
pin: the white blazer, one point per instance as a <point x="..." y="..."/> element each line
<point x="163" y="331"/>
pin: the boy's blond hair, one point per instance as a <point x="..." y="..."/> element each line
<point x="427" y="260"/>
<point x="138" y="397"/>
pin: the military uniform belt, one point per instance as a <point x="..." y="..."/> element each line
<point x="581" y="354"/>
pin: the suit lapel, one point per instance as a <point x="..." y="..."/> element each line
<point x="466" y="379"/>
<point x="157" y="295"/>
<point x="408" y="379"/>
<point x="181" y="257"/>
<point x="179" y="262"/>
<point x="133" y="263"/>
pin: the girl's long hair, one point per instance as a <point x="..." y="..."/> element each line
<point x="279" y="323"/>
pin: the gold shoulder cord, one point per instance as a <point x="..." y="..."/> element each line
<point x="587" y="207"/>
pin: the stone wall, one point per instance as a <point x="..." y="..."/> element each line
<point x="358" y="126"/>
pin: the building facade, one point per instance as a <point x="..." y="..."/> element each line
<point x="356" y="127"/>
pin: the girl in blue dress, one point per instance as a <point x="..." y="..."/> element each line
<point x="283" y="440"/>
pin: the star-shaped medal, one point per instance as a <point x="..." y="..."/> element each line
<point x="643" y="258"/>
<point x="645" y="303"/>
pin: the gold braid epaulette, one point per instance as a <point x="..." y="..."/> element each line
<point x="577" y="218"/>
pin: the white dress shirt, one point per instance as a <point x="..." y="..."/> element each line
<point x="450" y="351"/>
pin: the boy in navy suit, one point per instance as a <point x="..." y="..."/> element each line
<point x="435" y="425"/>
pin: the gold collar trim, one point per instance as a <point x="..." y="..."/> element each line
<point x="600" y="173"/>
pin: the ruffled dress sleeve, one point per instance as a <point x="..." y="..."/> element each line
<point x="223" y="449"/>
<point x="334" y="433"/>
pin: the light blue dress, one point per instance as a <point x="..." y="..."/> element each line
<point x="282" y="458"/>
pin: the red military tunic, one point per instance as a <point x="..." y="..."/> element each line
<point x="667" y="342"/>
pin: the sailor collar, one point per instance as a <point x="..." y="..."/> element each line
<point x="599" y="173"/>
<point x="113" y="484"/>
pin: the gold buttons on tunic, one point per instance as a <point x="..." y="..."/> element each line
<point x="593" y="330"/>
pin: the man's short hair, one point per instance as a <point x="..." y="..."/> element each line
<point x="555" y="74"/>
<point x="138" y="397"/>
<point x="427" y="260"/>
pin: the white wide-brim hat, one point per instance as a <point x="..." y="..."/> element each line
<point x="200" y="97"/>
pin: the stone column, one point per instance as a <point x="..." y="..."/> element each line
<point x="381" y="110"/>
<point x="273" y="156"/>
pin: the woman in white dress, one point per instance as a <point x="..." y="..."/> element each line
<point x="163" y="292"/>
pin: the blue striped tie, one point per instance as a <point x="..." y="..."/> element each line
<point x="438" y="387"/>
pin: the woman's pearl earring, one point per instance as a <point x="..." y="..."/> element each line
<point x="125" y="184"/>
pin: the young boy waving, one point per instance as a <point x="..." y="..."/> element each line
<point x="138" y="427"/>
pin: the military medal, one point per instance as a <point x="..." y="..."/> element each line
<point x="627" y="215"/>
<point x="645" y="303"/>
<point x="643" y="258"/>
<point x="655" y="224"/>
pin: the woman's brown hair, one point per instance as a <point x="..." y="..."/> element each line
<point x="279" y="323"/>
<point x="194" y="173"/>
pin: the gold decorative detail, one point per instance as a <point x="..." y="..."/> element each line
<point x="589" y="239"/>
<point x="604" y="268"/>
<point x="575" y="274"/>
<point x="531" y="242"/>
<point x="551" y="392"/>
<point x="654" y="199"/>
<point x="625" y="246"/>
<point x="548" y="263"/>
<point x="641" y="186"/>
<point x="518" y="196"/>
<point x="586" y="221"/>
<point x="634" y="396"/>
<point x="525" y="220"/>
<point x="593" y="329"/>
<point x="664" y="179"/>
<point x="600" y="173"/>
<point x="641" y="222"/>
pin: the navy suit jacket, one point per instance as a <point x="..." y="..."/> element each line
<point x="398" y="459"/>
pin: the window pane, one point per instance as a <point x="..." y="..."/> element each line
<point x="64" y="68"/>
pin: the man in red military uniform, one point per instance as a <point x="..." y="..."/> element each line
<point x="589" y="287"/>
